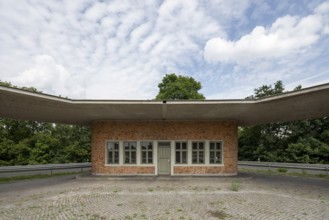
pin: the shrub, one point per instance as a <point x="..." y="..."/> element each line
<point x="282" y="170"/>
<point x="235" y="186"/>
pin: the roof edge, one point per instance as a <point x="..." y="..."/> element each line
<point x="190" y="101"/>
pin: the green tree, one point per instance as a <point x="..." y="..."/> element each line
<point x="7" y="84"/>
<point x="308" y="150"/>
<point x="175" y="87"/>
<point x="263" y="141"/>
<point x="304" y="141"/>
<point x="268" y="90"/>
<point x="25" y="142"/>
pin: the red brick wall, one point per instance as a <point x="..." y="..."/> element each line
<point x="125" y="170"/>
<point x="164" y="130"/>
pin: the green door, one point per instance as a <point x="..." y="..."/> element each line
<point x="164" y="154"/>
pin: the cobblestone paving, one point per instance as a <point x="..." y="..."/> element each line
<point x="187" y="198"/>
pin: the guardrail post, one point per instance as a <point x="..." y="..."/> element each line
<point x="51" y="171"/>
<point x="327" y="170"/>
<point x="269" y="167"/>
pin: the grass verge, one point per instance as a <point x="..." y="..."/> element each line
<point x="37" y="176"/>
<point x="280" y="173"/>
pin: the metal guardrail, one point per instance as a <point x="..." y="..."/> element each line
<point x="56" y="167"/>
<point x="44" y="167"/>
<point x="269" y="165"/>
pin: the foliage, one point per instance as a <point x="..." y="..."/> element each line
<point x="30" y="89"/>
<point x="30" y="142"/>
<point x="235" y="186"/>
<point x="30" y="177"/>
<point x="267" y="90"/>
<point x="282" y="170"/>
<point x="305" y="141"/>
<point x="175" y="87"/>
<point x="303" y="173"/>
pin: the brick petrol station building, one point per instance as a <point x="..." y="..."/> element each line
<point x="165" y="137"/>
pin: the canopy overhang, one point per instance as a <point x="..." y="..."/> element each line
<point x="307" y="103"/>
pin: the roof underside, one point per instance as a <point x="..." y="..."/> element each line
<point x="307" y="103"/>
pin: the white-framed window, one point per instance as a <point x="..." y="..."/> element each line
<point x="215" y="152"/>
<point x="130" y="148"/>
<point x="198" y="149"/>
<point x="181" y="152"/>
<point x="146" y="152"/>
<point x="113" y="152"/>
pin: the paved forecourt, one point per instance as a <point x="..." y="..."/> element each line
<point x="257" y="197"/>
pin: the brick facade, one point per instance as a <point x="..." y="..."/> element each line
<point x="103" y="131"/>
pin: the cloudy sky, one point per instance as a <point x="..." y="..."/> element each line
<point x="87" y="49"/>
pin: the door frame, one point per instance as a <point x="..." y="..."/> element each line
<point x="170" y="157"/>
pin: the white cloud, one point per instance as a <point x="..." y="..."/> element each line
<point x="118" y="49"/>
<point x="323" y="8"/>
<point x="287" y="35"/>
<point x="96" y="12"/>
<point x="121" y="49"/>
<point x="49" y="77"/>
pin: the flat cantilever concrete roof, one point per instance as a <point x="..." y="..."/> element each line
<point x="307" y="103"/>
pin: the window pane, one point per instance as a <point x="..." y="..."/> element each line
<point x="143" y="157"/>
<point x="133" y="156"/>
<point x="212" y="157"/>
<point x="218" y="157"/>
<point x="177" y="145"/>
<point x="201" y="145"/>
<point x="184" y="145"/>
<point x="109" y="146"/>
<point x="178" y="157"/>
<point x="163" y="144"/>
<point x="126" y="145"/>
<point x="109" y="157"/>
<point x="127" y="157"/>
<point x="195" y="157"/>
<point x="150" y="157"/>
<point x="218" y="146"/>
<point x="212" y="146"/>
<point x="184" y="157"/>
<point x="150" y="146"/>
<point x="201" y="157"/>
<point x="112" y="152"/>
<point x="145" y="145"/>
<point x="133" y="145"/>
<point x="195" y="145"/>
<point x="116" y="157"/>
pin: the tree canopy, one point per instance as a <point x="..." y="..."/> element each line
<point x="30" y="89"/>
<point x="175" y="87"/>
<point x="25" y="142"/>
<point x="268" y="90"/>
<point x="305" y="141"/>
